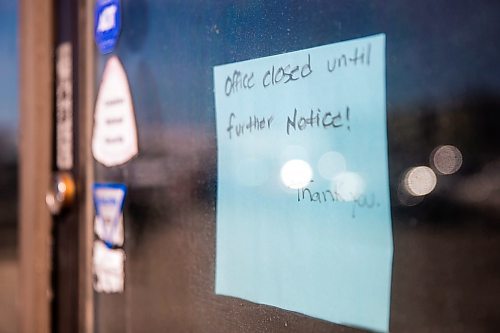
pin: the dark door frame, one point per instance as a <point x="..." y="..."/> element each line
<point x="38" y="231"/>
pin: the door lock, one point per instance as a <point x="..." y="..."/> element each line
<point x="62" y="192"/>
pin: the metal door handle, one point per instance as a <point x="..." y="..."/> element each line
<point x="62" y="193"/>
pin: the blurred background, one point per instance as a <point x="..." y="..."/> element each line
<point x="9" y="116"/>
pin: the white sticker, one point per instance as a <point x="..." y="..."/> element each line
<point x="107" y="19"/>
<point x="109" y="274"/>
<point x="114" y="141"/>
<point x="64" y="107"/>
<point x="106" y="229"/>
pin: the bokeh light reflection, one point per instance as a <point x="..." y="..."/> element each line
<point x="331" y="164"/>
<point x="296" y="174"/>
<point x="419" y="181"/>
<point x="348" y="185"/>
<point x="446" y="159"/>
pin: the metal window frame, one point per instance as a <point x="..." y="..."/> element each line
<point x="36" y="76"/>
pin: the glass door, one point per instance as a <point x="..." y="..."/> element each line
<point x="442" y="97"/>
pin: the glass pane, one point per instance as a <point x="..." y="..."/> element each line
<point x="8" y="163"/>
<point x="443" y="95"/>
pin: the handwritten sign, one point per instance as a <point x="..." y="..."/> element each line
<point x="303" y="210"/>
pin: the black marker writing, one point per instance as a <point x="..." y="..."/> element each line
<point x="254" y="123"/>
<point x="238" y="81"/>
<point x="367" y="201"/>
<point x="317" y="118"/>
<point x="360" y="56"/>
<point x="287" y="73"/>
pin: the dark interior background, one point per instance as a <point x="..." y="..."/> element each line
<point x="443" y="87"/>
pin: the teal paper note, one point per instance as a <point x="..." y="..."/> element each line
<point x="303" y="208"/>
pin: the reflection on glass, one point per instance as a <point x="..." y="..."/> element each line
<point x="331" y="164"/>
<point x="443" y="82"/>
<point x="446" y="159"/>
<point x="348" y="185"/>
<point x="476" y="189"/>
<point x="406" y="198"/>
<point x="419" y="181"/>
<point x="483" y="187"/>
<point x="292" y="152"/>
<point x="61" y="187"/>
<point x="296" y="174"/>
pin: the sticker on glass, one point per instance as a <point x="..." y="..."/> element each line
<point x="114" y="140"/>
<point x="108" y="267"/>
<point x="109" y="200"/>
<point x="107" y="22"/>
<point x="64" y="107"/>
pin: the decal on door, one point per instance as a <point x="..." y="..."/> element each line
<point x="108" y="201"/>
<point x="108" y="265"/>
<point x="107" y="22"/>
<point x="114" y="139"/>
<point x="64" y="107"/>
<point x="108" y="260"/>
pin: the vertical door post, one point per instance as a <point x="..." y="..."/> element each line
<point x="35" y="94"/>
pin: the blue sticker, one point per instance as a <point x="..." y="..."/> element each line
<point x="303" y="207"/>
<point x="109" y="200"/>
<point x="107" y="24"/>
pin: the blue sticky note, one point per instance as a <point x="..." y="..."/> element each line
<point x="303" y="208"/>
<point x="107" y="24"/>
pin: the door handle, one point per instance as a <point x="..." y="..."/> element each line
<point x="61" y="195"/>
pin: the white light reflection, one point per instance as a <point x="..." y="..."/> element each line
<point x="446" y="159"/>
<point x="331" y="164"/>
<point x="61" y="187"/>
<point x="296" y="174"/>
<point x="348" y="185"/>
<point x="420" y="180"/>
